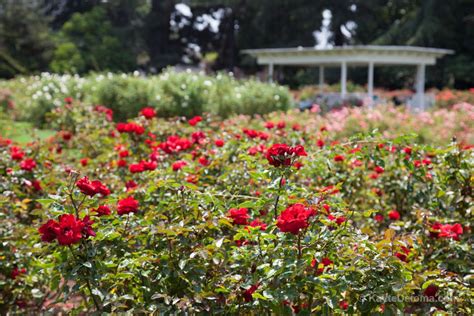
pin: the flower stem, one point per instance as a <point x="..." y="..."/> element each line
<point x="278" y="197"/>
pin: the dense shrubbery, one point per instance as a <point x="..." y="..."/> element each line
<point x="283" y="214"/>
<point x="171" y="93"/>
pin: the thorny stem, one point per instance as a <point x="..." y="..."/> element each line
<point x="278" y="197"/>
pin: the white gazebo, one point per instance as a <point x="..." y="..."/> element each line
<point x="370" y="55"/>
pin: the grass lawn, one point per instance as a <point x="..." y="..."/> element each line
<point x="23" y="132"/>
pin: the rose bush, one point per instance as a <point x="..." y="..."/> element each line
<point x="282" y="214"/>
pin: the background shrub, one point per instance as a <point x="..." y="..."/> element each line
<point x="171" y="93"/>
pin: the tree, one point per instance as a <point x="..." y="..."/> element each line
<point x="25" y="41"/>
<point x="88" y="42"/>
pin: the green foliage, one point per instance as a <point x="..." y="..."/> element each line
<point x="182" y="253"/>
<point x="87" y="42"/>
<point x="171" y="93"/>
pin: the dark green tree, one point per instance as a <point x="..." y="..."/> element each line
<point x="25" y="41"/>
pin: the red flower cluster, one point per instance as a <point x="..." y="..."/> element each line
<point x="239" y="216"/>
<point x="439" y="230"/>
<point x="284" y="155"/>
<point x="143" y="166"/>
<point x="127" y="205"/>
<point x="92" y="188"/>
<point x="175" y="144"/>
<point x="103" y="109"/>
<point x="294" y="218"/>
<point x="148" y="113"/>
<point x="16" y="153"/>
<point x="68" y="230"/>
<point x="135" y="128"/>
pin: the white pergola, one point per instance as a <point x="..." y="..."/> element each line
<point x="370" y="55"/>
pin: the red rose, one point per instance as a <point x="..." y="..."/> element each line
<point x="379" y="169"/>
<point x="378" y="218"/>
<point x="283" y="155"/>
<point x="130" y="185"/>
<point x="148" y="112"/>
<point x="87" y="230"/>
<point x="92" y="188"/>
<point x="195" y="120"/>
<point x="70" y="230"/>
<point x="136" y="167"/>
<point x="339" y="158"/>
<point x="102" y="210"/>
<point x="294" y="218"/>
<point x="431" y="290"/>
<point x="28" y="164"/>
<point x="219" y="142"/>
<point x="450" y="231"/>
<point x="394" y="215"/>
<point x="178" y="165"/>
<point x="269" y="125"/>
<point x="203" y="161"/>
<point x="320" y="143"/>
<point x="239" y="216"/>
<point x="84" y="161"/>
<point x="127" y="205"/>
<point x="49" y="230"/>
<point x="123" y="153"/>
<point x="344" y="305"/>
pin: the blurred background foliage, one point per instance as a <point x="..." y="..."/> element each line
<point x="69" y="36"/>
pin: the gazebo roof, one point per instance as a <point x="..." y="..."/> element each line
<point x="357" y="54"/>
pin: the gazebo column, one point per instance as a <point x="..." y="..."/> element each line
<point x="420" y="86"/>
<point x="370" y="83"/>
<point x="270" y="72"/>
<point x="343" y="79"/>
<point x="321" y="78"/>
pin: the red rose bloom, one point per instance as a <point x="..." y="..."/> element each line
<point x="195" y="120"/>
<point x="84" y="162"/>
<point x="92" y="188"/>
<point x="219" y="142"/>
<point x="178" y="165"/>
<point x="239" y="216"/>
<point x="70" y="230"/>
<point x="148" y="112"/>
<point x="48" y="230"/>
<point x="339" y="158"/>
<point x="379" y="169"/>
<point x="447" y="230"/>
<point x="394" y="215"/>
<point x="127" y="205"/>
<point x="344" y="305"/>
<point x="283" y="155"/>
<point x="28" y="164"/>
<point x="87" y="230"/>
<point x="378" y="218"/>
<point x="294" y="218"/>
<point x="130" y="185"/>
<point x="431" y="290"/>
<point x="102" y="210"/>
